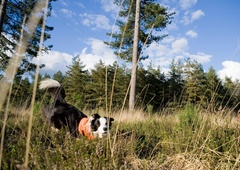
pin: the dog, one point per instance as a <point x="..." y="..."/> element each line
<point x="61" y="114"/>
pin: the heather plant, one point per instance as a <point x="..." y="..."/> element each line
<point x="155" y="141"/>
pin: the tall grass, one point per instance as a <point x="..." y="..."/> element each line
<point x="10" y="72"/>
<point x="200" y="141"/>
<point x="188" y="138"/>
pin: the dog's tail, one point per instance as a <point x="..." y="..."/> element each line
<point x="54" y="88"/>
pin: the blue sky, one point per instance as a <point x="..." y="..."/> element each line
<point x="205" y="30"/>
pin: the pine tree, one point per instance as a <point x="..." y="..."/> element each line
<point x="21" y="94"/>
<point x="120" y="85"/>
<point x="151" y="88"/>
<point x="195" y="82"/>
<point x="214" y="90"/>
<point x="153" y="17"/>
<point x="231" y="97"/>
<point x="59" y="77"/>
<point x="75" y="83"/>
<point x="157" y="89"/>
<point x="96" y="96"/>
<point x="10" y="26"/>
<point x="175" y="83"/>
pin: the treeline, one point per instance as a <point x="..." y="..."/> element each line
<point x="106" y="87"/>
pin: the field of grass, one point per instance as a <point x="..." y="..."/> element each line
<point x="185" y="139"/>
<point x="176" y="139"/>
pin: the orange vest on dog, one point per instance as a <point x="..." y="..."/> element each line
<point x="84" y="129"/>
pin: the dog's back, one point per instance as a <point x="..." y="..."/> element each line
<point x="67" y="115"/>
<point x="61" y="114"/>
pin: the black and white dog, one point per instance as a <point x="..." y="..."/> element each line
<point x="60" y="114"/>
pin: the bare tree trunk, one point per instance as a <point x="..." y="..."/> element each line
<point x="2" y="13"/>
<point x="132" y="95"/>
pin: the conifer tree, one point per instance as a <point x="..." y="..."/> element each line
<point x="21" y="94"/>
<point x="231" y="97"/>
<point x="195" y="82"/>
<point x="151" y="88"/>
<point x="214" y="90"/>
<point x="11" y="20"/>
<point x="157" y="90"/>
<point x="120" y="85"/>
<point x="175" y="82"/>
<point x="153" y="17"/>
<point x="96" y="96"/>
<point x="75" y="83"/>
<point x="59" y="77"/>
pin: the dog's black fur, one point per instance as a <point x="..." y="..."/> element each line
<point x="60" y="113"/>
<point x="64" y="114"/>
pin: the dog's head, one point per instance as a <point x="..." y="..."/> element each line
<point x="100" y="126"/>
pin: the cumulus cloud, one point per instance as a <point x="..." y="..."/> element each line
<point x="180" y="45"/>
<point x="192" y="34"/>
<point x="54" y="61"/>
<point x="109" y="6"/>
<point x="200" y="57"/>
<point x="64" y="3"/>
<point x="172" y="26"/>
<point x="159" y="54"/>
<point x="190" y="17"/>
<point x="57" y="61"/>
<point x="163" y="54"/>
<point x="98" y="51"/>
<point x="185" y="4"/>
<point x="67" y="13"/>
<point x="97" y="21"/>
<point x="196" y="15"/>
<point x="230" y="69"/>
<point x="81" y="5"/>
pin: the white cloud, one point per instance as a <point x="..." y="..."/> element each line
<point x="172" y="26"/>
<point x="54" y="61"/>
<point x="191" y="17"/>
<point x="180" y="45"/>
<point x="197" y="15"/>
<point x="57" y="61"/>
<point x="98" y="51"/>
<point x="200" y="57"/>
<point x="185" y="4"/>
<point x="192" y="34"/>
<point x="63" y="3"/>
<point x="67" y="13"/>
<point x="109" y="6"/>
<point x="168" y="39"/>
<point x="160" y="55"/>
<point x="171" y="48"/>
<point x="230" y="69"/>
<point x="97" y="21"/>
<point x="81" y="5"/>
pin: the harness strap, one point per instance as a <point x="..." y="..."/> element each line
<point x="84" y="128"/>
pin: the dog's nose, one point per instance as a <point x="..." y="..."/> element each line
<point x="105" y="129"/>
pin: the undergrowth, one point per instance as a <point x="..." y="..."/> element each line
<point x="186" y="139"/>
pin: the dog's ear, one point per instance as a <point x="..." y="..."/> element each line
<point x="111" y="119"/>
<point x="95" y="116"/>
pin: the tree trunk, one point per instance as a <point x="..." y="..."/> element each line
<point x="2" y="13"/>
<point x="132" y="95"/>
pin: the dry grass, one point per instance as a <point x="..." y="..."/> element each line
<point x="185" y="161"/>
<point x="178" y="140"/>
<point x="142" y="142"/>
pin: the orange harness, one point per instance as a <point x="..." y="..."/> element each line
<point x="84" y="128"/>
